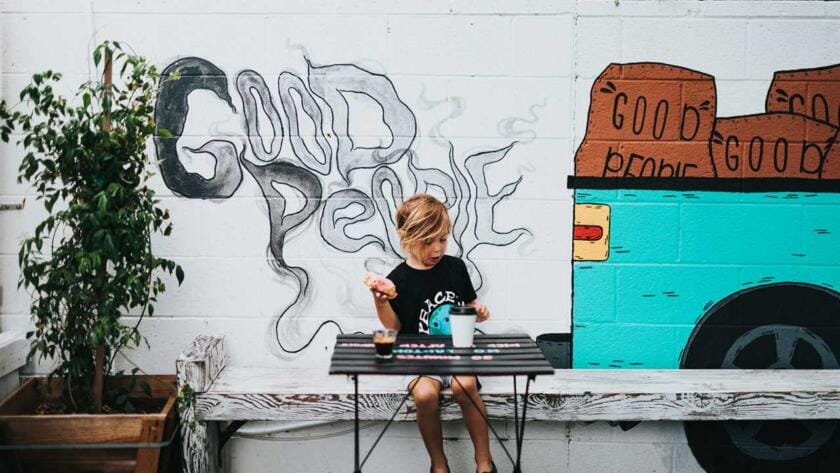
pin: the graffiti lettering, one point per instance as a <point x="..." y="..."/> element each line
<point x="171" y="111"/>
<point x="811" y="156"/>
<point x="637" y="165"/>
<point x="792" y="108"/>
<point x="816" y="159"/>
<point x="817" y="98"/>
<point x="689" y="123"/>
<point x="618" y="118"/>
<point x="755" y="164"/>
<point x="694" y="115"/>
<point x="820" y="108"/>
<point x="780" y="167"/>
<point x="314" y="167"/>
<point x="732" y="159"/>
<point x="812" y="93"/>
<point x="639" y="123"/>
<point x="661" y="111"/>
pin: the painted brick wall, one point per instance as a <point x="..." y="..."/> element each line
<point x="481" y="75"/>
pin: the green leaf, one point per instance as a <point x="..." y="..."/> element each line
<point x="147" y="389"/>
<point x="179" y="274"/>
<point x="109" y="243"/>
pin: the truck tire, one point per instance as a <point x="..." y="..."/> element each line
<point x="776" y="326"/>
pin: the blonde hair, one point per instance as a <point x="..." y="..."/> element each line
<point x="420" y="219"/>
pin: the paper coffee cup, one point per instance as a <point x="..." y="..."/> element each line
<point x="462" y="324"/>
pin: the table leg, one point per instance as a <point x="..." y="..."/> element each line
<point x="515" y="414"/>
<point x="520" y="437"/>
<point x="358" y="465"/>
<point x="388" y="424"/>
<point x="356" y="422"/>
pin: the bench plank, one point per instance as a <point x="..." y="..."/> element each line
<point x="13" y="350"/>
<point x="201" y="362"/>
<point x="196" y="369"/>
<point x="568" y="395"/>
<point x="240" y="394"/>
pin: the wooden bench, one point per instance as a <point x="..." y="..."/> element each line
<point x="13" y="351"/>
<point x="236" y="395"/>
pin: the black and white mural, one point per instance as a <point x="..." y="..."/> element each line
<point x="332" y="151"/>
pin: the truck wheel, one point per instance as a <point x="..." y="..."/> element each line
<point x="777" y="326"/>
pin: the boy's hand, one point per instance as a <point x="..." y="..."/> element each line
<point x="381" y="297"/>
<point x="381" y="288"/>
<point x="482" y="312"/>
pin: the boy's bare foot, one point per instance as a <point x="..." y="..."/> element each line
<point x="487" y="468"/>
<point x="444" y="469"/>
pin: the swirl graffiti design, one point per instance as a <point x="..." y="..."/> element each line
<point x="313" y="117"/>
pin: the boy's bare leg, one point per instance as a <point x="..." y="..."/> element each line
<point x="426" y="392"/>
<point x="464" y="388"/>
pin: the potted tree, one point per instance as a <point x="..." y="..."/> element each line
<point x="88" y="264"/>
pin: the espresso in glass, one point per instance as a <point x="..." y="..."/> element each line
<point x="383" y="340"/>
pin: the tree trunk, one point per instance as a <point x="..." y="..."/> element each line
<point x="99" y="367"/>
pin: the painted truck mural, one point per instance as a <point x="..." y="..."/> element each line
<point x="708" y="242"/>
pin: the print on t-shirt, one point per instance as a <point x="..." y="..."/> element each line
<point x="424" y="296"/>
<point x="434" y="316"/>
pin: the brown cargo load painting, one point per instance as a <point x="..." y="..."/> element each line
<point x="655" y="120"/>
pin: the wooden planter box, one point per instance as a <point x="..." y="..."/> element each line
<point x="19" y="425"/>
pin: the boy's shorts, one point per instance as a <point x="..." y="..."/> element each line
<point x="444" y="380"/>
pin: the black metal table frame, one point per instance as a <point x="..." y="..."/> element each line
<point x="519" y="426"/>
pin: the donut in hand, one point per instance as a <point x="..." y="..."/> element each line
<point x="383" y="285"/>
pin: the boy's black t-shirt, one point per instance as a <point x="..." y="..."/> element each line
<point x="424" y="296"/>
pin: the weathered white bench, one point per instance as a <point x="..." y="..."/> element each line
<point x="13" y="351"/>
<point x="235" y="395"/>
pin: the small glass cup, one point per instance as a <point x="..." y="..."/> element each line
<point x="383" y="340"/>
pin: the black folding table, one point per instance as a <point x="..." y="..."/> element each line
<point x="491" y="355"/>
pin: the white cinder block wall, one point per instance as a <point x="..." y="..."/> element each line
<point x="479" y="75"/>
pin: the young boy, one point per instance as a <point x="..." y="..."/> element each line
<point x="428" y="283"/>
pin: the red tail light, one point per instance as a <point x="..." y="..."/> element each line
<point x="591" y="232"/>
<point x="588" y="232"/>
